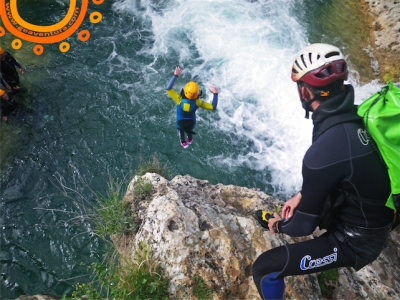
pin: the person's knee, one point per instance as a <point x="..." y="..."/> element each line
<point x="271" y="261"/>
<point x="256" y="268"/>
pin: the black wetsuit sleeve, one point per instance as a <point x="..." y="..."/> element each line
<point x="324" y="165"/>
<point x="339" y="160"/>
<point x="3" y="83"/>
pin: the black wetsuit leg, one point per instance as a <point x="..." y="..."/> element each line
<point x="7" y="107"/>
<point x="316" y="255"/>
<point x="185" y="126"/>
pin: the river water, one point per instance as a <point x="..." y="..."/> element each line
<point x="99" y="108"/>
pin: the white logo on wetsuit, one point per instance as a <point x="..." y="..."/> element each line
<point x="363" y="136"/>
<point x="308" y="263"/>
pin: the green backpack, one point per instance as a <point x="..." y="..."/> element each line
<point x="381" y="115"/>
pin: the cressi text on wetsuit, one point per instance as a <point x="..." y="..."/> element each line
<point x="342" y="164"/>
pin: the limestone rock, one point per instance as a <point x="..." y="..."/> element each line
<point x="198" y="229"/>
<point x="385" y="29"/>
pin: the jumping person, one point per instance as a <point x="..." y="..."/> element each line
<point x="188" y="102"/>
<point x="345" y="183"/>
<point x="8" y="71"/>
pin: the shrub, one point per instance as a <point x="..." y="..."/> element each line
<point x="111" y="215"/>
<point x="143" y="189"/>
<point x="153" y="165"/>
<point x="128" y="279"/>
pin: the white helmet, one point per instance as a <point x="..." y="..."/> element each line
<point x="319" y="65"/>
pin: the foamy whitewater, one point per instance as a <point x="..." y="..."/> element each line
<point x="246" y="49"/>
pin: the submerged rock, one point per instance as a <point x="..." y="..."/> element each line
<point x="196" y="229"/>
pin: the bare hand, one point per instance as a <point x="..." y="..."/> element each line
<point x="213" y="90"/>
<point x="272" y="221"/>
<point x="290" y="206"/>
<point x="177" y="71"/>
<point x="22" y="71"/>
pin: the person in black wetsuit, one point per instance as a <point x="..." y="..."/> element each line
<point x="4" y="84"/>
<point x="8" y="71"/>
<point x="345" y="183"/>
<point x="8" y="104"/>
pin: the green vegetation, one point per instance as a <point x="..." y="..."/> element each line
<point x="112" y="216"/>
<point x="392" y="74"/>
<point x="153" y="165"/>
<point x="201" y="290"/>
<point x="118" y="275"/>
<point x="278" y="209"/>
<point x="143" y="189"/>
<point x="327" y="282"/>
<point x="120" y="278"/>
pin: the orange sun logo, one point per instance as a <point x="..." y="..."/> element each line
<point x="50" y="34"/>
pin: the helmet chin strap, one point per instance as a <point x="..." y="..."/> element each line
<point x="307" y="106"/>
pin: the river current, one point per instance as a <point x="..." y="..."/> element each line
<point x="97" y="110"/>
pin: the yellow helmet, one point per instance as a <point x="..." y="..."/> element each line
<point x="1" y="50"/>
<point x="191" y="90"/>
<point x="2" y="92"/>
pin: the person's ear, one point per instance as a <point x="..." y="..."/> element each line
<point x="306" y="93"/>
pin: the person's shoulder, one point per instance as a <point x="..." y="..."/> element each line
<point x="330" y="147"/>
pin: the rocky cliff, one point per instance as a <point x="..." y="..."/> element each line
<point x="198" y="229"/>
<point x="384" y="17"/>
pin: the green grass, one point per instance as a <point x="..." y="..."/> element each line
<point x="143" y="190"/>
<point x="111" y="215"/>
<point x="324" y="277"/>
<point x="153" y="164"/>
<point x="201" y="290"/>
<point x="117" y="276"/>
<point x="127" y="279"/>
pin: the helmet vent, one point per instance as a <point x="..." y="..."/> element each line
<point x="344" y="67"/>
<point x="297" y="64"/>
<point x="302" y="59"/>
<point x="324" y="73"/>
<point x="330" y="54"/>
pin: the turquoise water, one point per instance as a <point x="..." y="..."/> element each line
<point x="101" y="107"/>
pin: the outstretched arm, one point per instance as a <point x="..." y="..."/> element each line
<point x="214" y="90"/>
<point x="171" y="82"/>
<point x="207" y="105"/>
<point x="17" y="64"/>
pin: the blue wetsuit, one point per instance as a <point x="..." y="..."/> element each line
<point x="186" y="109"/>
